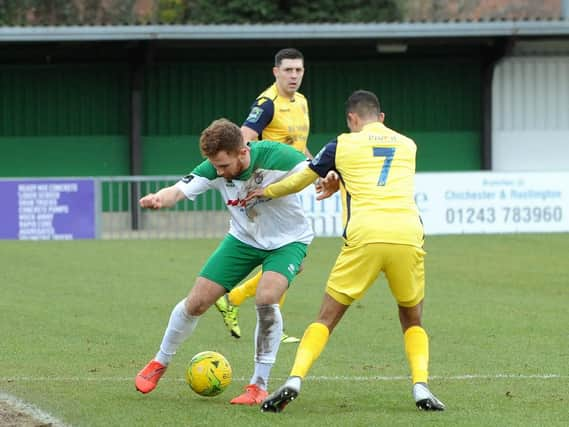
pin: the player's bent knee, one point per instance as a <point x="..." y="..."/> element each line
<point x="331" y="312"/>
<point x="338" y="296"/>
<point x="410" y="316"/>
<point x="196" y="308"/>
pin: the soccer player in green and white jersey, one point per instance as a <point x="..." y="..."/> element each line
<point x="270" y="234"/>
<point x="279" y="113"/>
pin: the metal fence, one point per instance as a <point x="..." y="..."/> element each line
<point x="68" y="208"/>
<point x="120" y="216"/>
<point x="107" y="207"/>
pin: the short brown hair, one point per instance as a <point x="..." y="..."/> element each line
<point x="221" y="135"/>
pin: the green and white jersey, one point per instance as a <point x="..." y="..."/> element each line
<point x="263" y="223"/>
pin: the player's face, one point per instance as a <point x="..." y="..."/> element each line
<point x="289" y="76"/>
<point x="231" y="165"/>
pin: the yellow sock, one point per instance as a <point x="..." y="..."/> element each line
<point x="245" y="290"/>
<point x="313" y="342"/>
<point x="281" y="302"/>
<point x="417" y="350"/>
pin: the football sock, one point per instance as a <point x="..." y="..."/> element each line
<point x="246" y="290"/>
<point x="417" y="350"/>
<point x="261" y="375"/>
<point x="267" y="341"/>
<point x="294" y="383"/>
<point x="281" y="302"/>
<point x="180" y="327"/>
<point x="313" y="342"/>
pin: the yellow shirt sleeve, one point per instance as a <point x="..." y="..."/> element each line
<point x="291" y="184"/>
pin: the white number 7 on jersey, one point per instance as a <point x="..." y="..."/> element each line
<point x="388" y="153"/>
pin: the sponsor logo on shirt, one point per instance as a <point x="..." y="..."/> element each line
<point x="258" y="177"/>
<point x="289" y="140"/>
<point x="187" y="179"/>
<point x="236" y="202"/>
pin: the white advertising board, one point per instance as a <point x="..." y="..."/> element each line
<point x="325" y="215"/>
<point x="488" y="202"/>
<point x="472" y="202"/>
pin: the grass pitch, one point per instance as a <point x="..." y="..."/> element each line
<point x="79" y="319"/>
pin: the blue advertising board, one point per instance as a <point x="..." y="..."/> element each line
<point x="50" y="209"/>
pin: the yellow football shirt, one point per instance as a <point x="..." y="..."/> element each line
<point x="281" y="119"/>
<point x="377" y="172"/>
<point x="377" y="166"/>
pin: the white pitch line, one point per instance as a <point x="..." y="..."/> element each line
<point x="441" y="377"/>
<point x="464" y="377"/>
<point x="48" y="419"/>
<point x="31" y="410"/>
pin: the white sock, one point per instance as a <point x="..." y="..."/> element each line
<point x="267" y="341"/>
<point x="294" y="382"/>
<point x="261" y="375"/>
<point x="180" y="327"/>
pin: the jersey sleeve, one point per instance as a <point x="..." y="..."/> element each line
<point x="260" y="114"/>
<point x="198" y="181"/>
<point x="302" y="178"/>
<point x="325" y="160"/>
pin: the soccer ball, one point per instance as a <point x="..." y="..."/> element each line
<point x="209" y="373"/>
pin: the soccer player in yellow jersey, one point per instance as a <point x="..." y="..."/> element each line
<point x="382" y="232"/>
<point x="280" y="113"/>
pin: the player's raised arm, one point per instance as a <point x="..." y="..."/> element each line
<point x="164" y="198"/>
<point x="249" y="134"/>
<point x="291" y="184"/>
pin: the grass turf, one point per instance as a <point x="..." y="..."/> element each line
<point x="79" y="319"/>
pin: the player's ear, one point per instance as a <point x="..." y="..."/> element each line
<point x="351" y="120"/>
<point x="275" y="71"/>
<point x="381" y="117"/>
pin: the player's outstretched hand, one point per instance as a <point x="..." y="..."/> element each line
<point x="258" y="192"/>
<point x="327" y="186"/>
<point x="150" y="201"/>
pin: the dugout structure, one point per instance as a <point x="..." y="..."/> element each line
<point x="132" y="100"/>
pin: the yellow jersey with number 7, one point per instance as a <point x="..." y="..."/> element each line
<point x="377" y="170"/>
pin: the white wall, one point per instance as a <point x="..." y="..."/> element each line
<point x="530" y="114"/>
